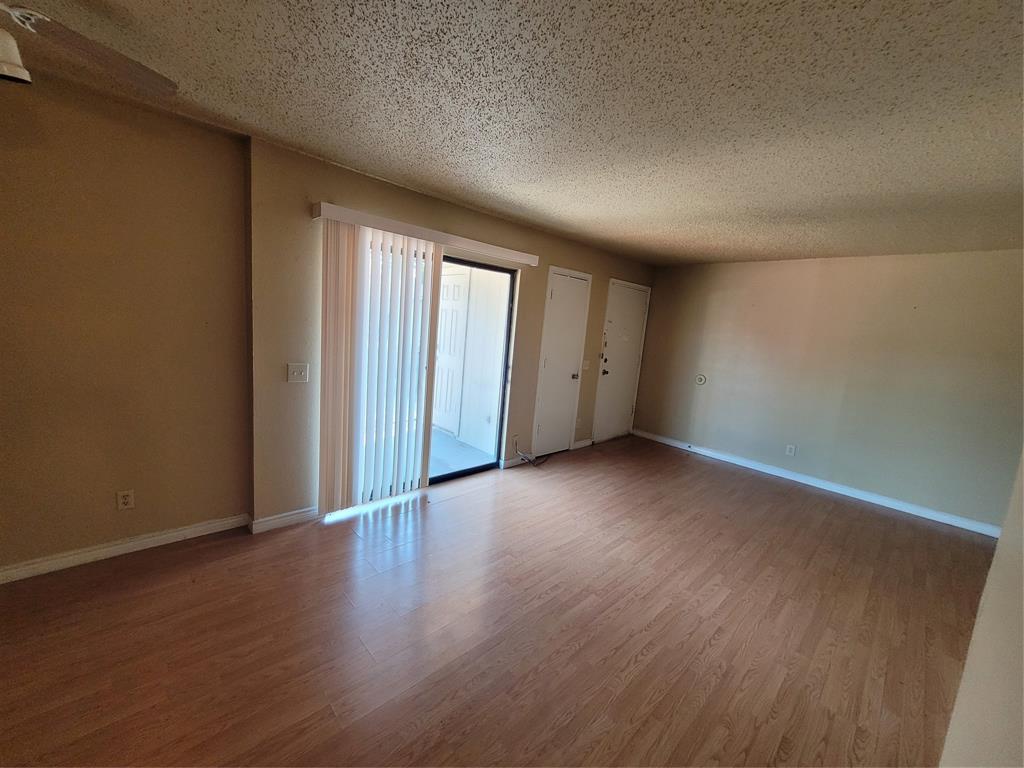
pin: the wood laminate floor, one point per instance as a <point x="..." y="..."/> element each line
<point x="623" y="604"/>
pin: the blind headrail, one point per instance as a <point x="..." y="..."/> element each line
<point x="352" y="216"/>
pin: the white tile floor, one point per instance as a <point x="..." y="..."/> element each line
<point x="449" y="455"/>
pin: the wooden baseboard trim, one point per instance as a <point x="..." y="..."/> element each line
<point x="113" y="549"/>
<point x="986" y="529"/>
<point x="294" y="517"/>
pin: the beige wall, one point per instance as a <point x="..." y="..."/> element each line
<point x="987" y="726"/>
<point x="286" y="306"/>
<point x="899" y="375"/>
<point x="123" y="309"/>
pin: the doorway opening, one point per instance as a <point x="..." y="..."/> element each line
<point x="474" y="327"/>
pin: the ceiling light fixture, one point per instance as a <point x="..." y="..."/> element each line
<point x="11" y="67"/>
<point x="96" y="55"/>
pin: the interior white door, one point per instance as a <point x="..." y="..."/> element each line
<point x="453" y="307"/>
<point x="625" y="321"/>
<point x="561" y="357"/>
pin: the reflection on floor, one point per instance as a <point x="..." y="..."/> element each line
<point x="449" y="455"/>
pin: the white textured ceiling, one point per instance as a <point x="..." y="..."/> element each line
<point x="670" y="131"/>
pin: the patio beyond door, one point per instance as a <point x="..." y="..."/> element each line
<point x="473" y="327"/>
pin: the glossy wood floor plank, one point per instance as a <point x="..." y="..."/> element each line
<point x="623" y="604"/>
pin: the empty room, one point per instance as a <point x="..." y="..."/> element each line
<point x="511" y="383"/>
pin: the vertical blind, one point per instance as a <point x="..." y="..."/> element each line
<point x="377" y="300"/>
<point x="394" y="276"/>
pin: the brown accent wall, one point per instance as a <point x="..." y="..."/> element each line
<point x="123" y="351"/>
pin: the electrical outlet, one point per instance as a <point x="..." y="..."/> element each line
<point x="298" y="373"/>
<point x="126" y="499"/>
<point x="791" y="450"/>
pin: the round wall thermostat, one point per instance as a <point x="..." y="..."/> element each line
<point x="702" y="379"/>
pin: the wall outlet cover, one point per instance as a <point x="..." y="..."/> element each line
<point x="298" y="373"/>
<point x="126" y="499"/>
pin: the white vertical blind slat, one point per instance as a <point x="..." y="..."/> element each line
<point x="331" y="463"/>
<point x="402" y="413"/>
<point x="360" y="293"/>
<point x="376" y="308"/>
<point x="394" y="372"/>
<point x="415" y="365"/>
<point x="381" y="383"/>
<point x="427" y="297"/>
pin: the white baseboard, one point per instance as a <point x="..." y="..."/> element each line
<point x="515" y="461"/>
<point x="122" y="546"/>
<point x="986" y="529"/>
<point x="262" y="524"/>
<point x="582" y="444"/>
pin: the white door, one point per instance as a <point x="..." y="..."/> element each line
<point x="561" y="357"/>
<point x="625" y="321"/>
<point x="451" y="346"/>
<point x="486" y="350"/>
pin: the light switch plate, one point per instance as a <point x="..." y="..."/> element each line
<point x="298" y="373"/>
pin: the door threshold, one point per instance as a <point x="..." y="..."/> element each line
<point x="462" y="473"/>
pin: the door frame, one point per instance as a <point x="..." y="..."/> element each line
<point x="589" y="280"/>
<point x="505" y="379"/>
<point x="643" y="338"/>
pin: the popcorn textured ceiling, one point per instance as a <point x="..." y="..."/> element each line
<point x="692" y="131"/>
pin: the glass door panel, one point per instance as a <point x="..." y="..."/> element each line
<point x="473" y="330"/>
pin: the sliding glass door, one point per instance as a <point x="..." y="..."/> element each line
<point x="473" y="330"/>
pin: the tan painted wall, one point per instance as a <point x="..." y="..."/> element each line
<point x="124" y="321"/>
<point x="987" y="726"/>
<point x="899" y="375"/>
<point x="286" y="306"/>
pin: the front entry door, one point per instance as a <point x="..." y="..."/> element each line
<point x="624" y="325"/>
